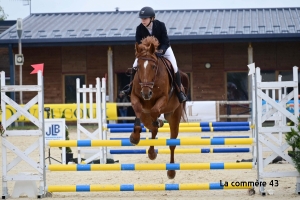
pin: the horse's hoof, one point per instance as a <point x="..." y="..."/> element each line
<point x="161" y="123"/>
<point x="158" y="123"/>
<point x="152" y="156"/>
<point x="133" y="141"/>
<point x="171" y="174"/>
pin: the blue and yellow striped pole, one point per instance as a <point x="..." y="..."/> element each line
<point x="182" y="151"/>
<point x="155" y="166"/>
<point x="192" y="124"/>
<point x="143" y="187"/>
<point x="154" y="142"/>
<point x="197" y="137"/>
<point x="186" y="129"/>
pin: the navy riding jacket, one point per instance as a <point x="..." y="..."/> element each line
<point x="158" y="30"/>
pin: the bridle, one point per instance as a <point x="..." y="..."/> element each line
<point x="149" y="84"/>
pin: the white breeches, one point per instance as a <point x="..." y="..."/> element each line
<point x="168" y="55"/>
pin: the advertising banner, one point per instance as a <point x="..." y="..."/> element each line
<point x="200" y="111"/>
<point x="67" y="111"/>
<point x="55" y="129"/>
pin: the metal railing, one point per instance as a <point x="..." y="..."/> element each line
<point x="234" y="116"/>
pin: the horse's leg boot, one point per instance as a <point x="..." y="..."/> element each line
<point x="135" y="135"/>
<point x="181" y="96"/>
<point x="128" y="90"/>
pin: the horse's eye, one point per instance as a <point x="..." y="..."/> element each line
<point x="153" y="66"/>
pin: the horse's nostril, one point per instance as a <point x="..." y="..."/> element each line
<point x="150" y="93"/>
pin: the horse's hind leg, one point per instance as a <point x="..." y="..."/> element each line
<point x="174" y="120"/>
<point x="156" y="124"/>
<point x="147" y="120"/>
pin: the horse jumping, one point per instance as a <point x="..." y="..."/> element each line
<point x="153" y="93"/>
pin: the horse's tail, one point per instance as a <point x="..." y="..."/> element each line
<point x="185" y="83"/>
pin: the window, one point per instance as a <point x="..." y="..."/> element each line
<point x="70" y="87"/>
<point x="267" y="75"/>
<point x="237" y="86"/>
<point x="288" y="76"/>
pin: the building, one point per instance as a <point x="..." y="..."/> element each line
<point x="4" y="56"/>
<point x="213" y="46"/>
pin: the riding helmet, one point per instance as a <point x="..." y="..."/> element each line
<point x="146" y="12"/>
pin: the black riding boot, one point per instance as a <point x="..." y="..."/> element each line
<point x="128" y="90"/>
<point x="181" y="96"/>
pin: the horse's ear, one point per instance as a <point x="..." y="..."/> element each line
<point x="152" y="48"/>
<point x="137" y="49"/>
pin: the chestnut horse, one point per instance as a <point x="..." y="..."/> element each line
<point x="153" y="93"/>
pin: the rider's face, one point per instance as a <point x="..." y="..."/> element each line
<point x="145" y="21"/>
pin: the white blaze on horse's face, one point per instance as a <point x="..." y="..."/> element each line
<point x="145" y="72"/>
<point x="146" y="85"/>
<point x="145" y="64"/>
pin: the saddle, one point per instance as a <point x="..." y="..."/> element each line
<point x="169" y="68"/>
<point x="171" y="73"/>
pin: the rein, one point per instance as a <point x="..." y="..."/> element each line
<point x="150" y="84"/>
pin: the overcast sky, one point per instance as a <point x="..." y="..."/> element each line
<point x="16" y="8"/>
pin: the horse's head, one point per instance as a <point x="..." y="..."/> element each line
<point x="147" y="68"/>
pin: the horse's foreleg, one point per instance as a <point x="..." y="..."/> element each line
<point x="136" y="134"/>
<point x="159" y="105"/>
<point x="151" y="152"/>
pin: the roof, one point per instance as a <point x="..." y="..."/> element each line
<point x="4" y="25"/>
<point x="192" y="25"/>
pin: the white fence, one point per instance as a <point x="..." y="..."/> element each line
<point x="85" y="118"/>
<point x="270" y="138"/>
<point x="37" y="165"/>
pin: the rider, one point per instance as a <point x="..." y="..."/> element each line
<point x="152" y="27"/>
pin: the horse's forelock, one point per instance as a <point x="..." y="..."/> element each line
<point x="150" y="40"/>
<point x="145" y="45"/>
<point x="144" y="51"/>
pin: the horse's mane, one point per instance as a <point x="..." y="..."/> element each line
<point x="145" y="43"/>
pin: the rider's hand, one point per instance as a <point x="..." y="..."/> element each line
<point x="159" y="53"/>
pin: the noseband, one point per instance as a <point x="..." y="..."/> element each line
<point x="149" y="84"/>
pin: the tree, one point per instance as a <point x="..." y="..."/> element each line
<point x="3" y="16"/>
<point x="293" y="139"/>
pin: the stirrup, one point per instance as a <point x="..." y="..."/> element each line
<point x="126" y="92"/>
